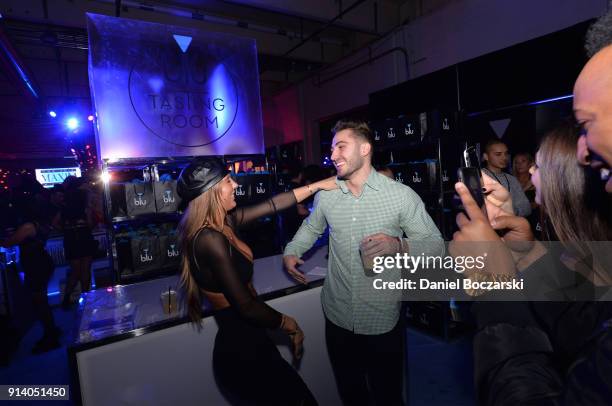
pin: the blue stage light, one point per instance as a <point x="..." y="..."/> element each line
<point x="72" y="123"/>
<point x="90" y="117"/>
<point x="52" y="113"/>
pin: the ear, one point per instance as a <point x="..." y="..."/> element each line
<point x="582" y="151"/>
<point x="485" y="157"/>
<point x="365" y="148"/>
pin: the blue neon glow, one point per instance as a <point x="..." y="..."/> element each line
<point x="519" y="105"/>
<point x="72" y="123"/>
<point x="53" y="114"/>
<point x="551" y="100"/>
<point x="20" y="72"/>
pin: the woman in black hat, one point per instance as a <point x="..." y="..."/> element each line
<point x="218" y="264"/>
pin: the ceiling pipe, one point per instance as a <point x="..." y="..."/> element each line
<point x="326" y="26"/>
<point x="301" y="17"/>
<point x="176" y="11"/>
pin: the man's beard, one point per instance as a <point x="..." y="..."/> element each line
<point x="347" y="175"/>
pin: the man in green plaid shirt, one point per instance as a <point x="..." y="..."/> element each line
<point x="368" y="213"/>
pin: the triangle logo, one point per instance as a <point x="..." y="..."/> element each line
<point x="182" y="41"/>
<point x="500" y="126"/>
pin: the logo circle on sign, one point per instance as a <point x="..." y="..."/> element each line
<point x="185" y="99"/>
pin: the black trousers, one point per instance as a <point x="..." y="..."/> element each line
<point x="38" y="271"/>
<point x="368" y="368"/>
<point x="250" y="370"/>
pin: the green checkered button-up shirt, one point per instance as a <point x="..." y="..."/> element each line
<point x="385" y="206"/>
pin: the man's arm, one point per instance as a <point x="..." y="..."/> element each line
<point x="423" y="237"/>
<point x="24" y="231"/>
<point x="310" y="230"/>
<point x="521" y="204"/>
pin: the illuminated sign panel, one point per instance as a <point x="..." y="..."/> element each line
<point x="51" y="176"/>
<point x="161" y="90"/>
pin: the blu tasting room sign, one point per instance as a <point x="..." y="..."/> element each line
<point x="161" y="90"/>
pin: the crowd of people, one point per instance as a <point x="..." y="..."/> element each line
<point x="31" y="214"/>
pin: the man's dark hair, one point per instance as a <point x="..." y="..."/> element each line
<point x="360" y="129"/>
<point x="599" y="34"/>
<point x="491" y="142"/>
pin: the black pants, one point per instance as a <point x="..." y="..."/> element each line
<point x="250" y="370"/>
<point x="38" y="271"/>
<point x="368" y="368"/>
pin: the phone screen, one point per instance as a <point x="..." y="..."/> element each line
<point x="469" y="174"/>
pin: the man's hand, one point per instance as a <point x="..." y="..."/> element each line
<point x="379" y="244"/>
<point x="291" y="262"/>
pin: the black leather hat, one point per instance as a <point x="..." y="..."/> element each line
<point x="199" y="176"/>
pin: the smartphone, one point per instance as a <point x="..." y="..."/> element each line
<point x="471" y="178"/>
<point x="469" y="174"/>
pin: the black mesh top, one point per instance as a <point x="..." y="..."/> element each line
<point x="219" y="267"/>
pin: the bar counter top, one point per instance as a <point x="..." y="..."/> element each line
<point x="113" y="313"/>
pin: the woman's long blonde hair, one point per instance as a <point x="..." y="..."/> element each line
<point x="205" y="210"/>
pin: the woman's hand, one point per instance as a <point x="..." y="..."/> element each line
<point x="326" y="184"/>
<point x="476" y="238"/>
<point x="516" y="233"/>
<point x="297" y="340"/>
<point x="304" y="192"/>
<point x="290" y="326"/>
<point x="497" y="199"/>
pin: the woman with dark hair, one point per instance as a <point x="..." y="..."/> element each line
<point x="79" y="244"/>
<point x="216" y="263"/>
<point x="38" y="267"/>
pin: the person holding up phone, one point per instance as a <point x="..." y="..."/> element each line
<point x="560" y="351"/>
